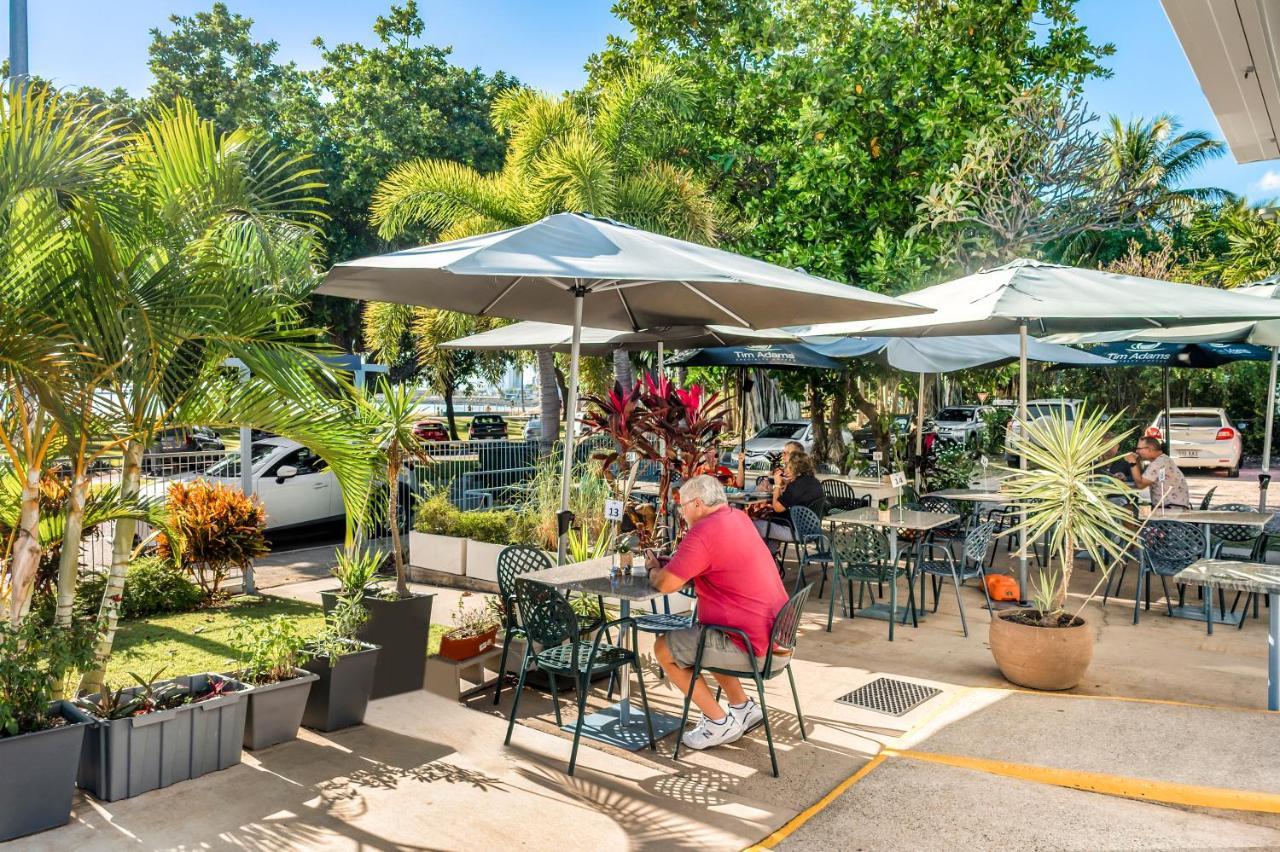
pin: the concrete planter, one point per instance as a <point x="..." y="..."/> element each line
<point x="123" y="758"/>
<point x="437" y="552"/>
<point x="401" y="628"/>
<point x="1049" y="658"/>
<point x="340" y="696"/>
<point x="40" y="776"/>
<point x="275" y="710"/>
<point x="482" y="560"/>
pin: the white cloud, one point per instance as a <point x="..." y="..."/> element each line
<point x="1270" y="181"/>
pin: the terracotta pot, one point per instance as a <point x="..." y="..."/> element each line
<point x="464" y="649"/>
<point x="1049" y="658"/>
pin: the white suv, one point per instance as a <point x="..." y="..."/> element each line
<point x="1037" y="410"/>
<point x="961" y="423"/>
<point x="1200" y="438"/>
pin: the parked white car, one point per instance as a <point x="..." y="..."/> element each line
<point x="1200" y="438"/>
<point x="772" y="438"/>
<point x="1037" y="410"/>
<point x="961" y="423"/>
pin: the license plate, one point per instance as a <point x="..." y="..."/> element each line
<point x="1189" y="454"/>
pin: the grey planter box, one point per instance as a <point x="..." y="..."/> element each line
<point x="401" y="628"/>
<point x="127" y="757"/>
<point x="39" y="776"/>
<point x="275" y="710"/>
<point x="340" y="696"/>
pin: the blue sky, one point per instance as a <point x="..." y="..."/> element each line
<point x="544" y="43"/>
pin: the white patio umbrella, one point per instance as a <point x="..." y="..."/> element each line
<point x="608" y="275"/>
<point x="1049" y="298"/>
<point x="554" y="337"/>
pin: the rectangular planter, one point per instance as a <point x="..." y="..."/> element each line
<point x="39" y="776"/>
<point x="275" y="710"/>
<point x="401" y="628"/>
<point x="438" y="552"/>
<point x="340" y="695"/>
<point x="127" y="757"/>
<point x="482" y="560"/>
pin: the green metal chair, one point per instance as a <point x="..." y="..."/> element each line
<point x="782" y="643"/>
<point x="550" y="623"/>
<point x="513" y="561"/>
<point x="862" y="556"/>
<point x="973" y="553"/>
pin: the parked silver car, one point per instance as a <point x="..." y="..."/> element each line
<point x="961" y="423"/>
<point x="770" y="440"/>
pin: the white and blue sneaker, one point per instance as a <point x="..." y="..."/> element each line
<point x="708" y="734"/>
<point x="748" y="715"/>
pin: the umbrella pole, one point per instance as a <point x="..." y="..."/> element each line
<point x="742" y="414"/>
<point x="1022" y="456"/>
<point x="920" y="433"/>
<point x="1266" y="438"/>
<point x="565" y="517"/>
<point x="1165" y="432"/>
<point x="662" y="359"/>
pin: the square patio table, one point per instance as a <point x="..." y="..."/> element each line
<point x="1246" y="577"/>
<point x="618" y="724"/>
<point x="974" y="495"/>
<point x="897" y="519"/>
<point x="1207" y="518"/>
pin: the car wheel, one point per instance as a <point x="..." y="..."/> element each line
<point x="1234" y="473"/>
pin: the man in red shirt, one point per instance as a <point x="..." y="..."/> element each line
<point x="738" y="586"/>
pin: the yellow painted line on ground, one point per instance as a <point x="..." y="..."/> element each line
<point x="1165" y="792"/>
<point x="1165" y="701"/>
<point x="808" y="813"/>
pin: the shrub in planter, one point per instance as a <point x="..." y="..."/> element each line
<point x="153" y="586"/>
<point x="474" y="632"/>
<point x="221" y="530"/>
<point x="159" y="733"/>
<point x="40" y="740"/>
<point x="487" y="532"/>
<point x="398" y="624"/>
<point x="269" y="658"/>
<point x="1069" y="499"/>
<point x="432" y="543"/>
<point x="344" y="667"/>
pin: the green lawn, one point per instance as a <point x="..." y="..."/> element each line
<point x="192" y="642"/>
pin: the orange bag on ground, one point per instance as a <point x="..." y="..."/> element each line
<point x="1002" y="587"/>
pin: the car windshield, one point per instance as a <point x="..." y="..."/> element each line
<point x="487" y="420"/>
<point x="1052" y="409"/>
<point x="229" y="467"/>
<point x="781" y="430"/>
<point x="1198" y="420"/>
<point x="954" y="414"/>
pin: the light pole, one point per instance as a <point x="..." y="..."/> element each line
<point x="19" y="66"/>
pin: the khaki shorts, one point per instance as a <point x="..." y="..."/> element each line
<point x="720" y="652"/>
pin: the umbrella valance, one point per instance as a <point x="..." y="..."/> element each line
<point x="1150" y="354"/>
<point x="768" y="356"/>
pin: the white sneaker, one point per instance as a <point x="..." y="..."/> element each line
<point x="708" y="734"/>
<point x="748" y="715"/>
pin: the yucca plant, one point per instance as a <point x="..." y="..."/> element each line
<point x="1070" y="501"/>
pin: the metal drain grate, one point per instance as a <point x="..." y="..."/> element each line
<point x="889" y="696"/>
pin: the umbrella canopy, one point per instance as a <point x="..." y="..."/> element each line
<point x="1052" y="299"/>
<point x="947" y="354"/>
<point x="783" y="356"/>
<point x="643" y="280"/>
<point x="554" y="337"/>
<point x="1149" y="354"/>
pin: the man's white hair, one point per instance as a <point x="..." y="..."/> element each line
<point x="705" y="488"/>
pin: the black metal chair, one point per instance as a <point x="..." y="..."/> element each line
<point x="513" y="561"/>
<point x="862" y="556"/>
<point x="1167" y="548"/>
<point x="1207" y="499"/>
<point x="841" y="497"/>
<point x="1225" y="534"/>
<point x="666" y="621"/>
<point x="782" y="643"/>
<point x="551" y="623"/>
<point x="973" y="554"/>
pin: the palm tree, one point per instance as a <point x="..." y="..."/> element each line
<point x="1152" y="161"/>
<point x="604" y="155"/>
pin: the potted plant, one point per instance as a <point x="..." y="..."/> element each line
<point x="269" y="658"/>
<point x="398" y="622"/>
<point x="344" y="667"/>
<point x="1068" y="499"/>
<point x="40" y="739"/>
<point x="474" y="632"/>
<point x="433" y="542"/>
<point x="158" y="733"/>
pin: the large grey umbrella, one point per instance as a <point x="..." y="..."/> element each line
<point x="1050" y="299"/>
<point x="554" y="337"/>
<point x="635" y="280"/>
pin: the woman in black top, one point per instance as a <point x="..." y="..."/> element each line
<point x="798" y="486"/>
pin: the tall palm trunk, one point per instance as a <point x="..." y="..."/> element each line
<point x="449" y="412"/>
<point x="393" y="517"/>
<point x="835" y="425"/>
<point x="121" y="551"/>
<point x="549" y="401"/>
<point x="622" y="372"/>
<point x="69" y="560"/>
<point x="818" y="420"/>
<point x="26" y="550"/>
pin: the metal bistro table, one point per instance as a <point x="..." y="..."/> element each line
<point x="1208" y="518"/>
<point x="876" y="489"/>
<point x="1246" y="577"/>
<point x="897" y="519"/>
<point x="618" y="724"/>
